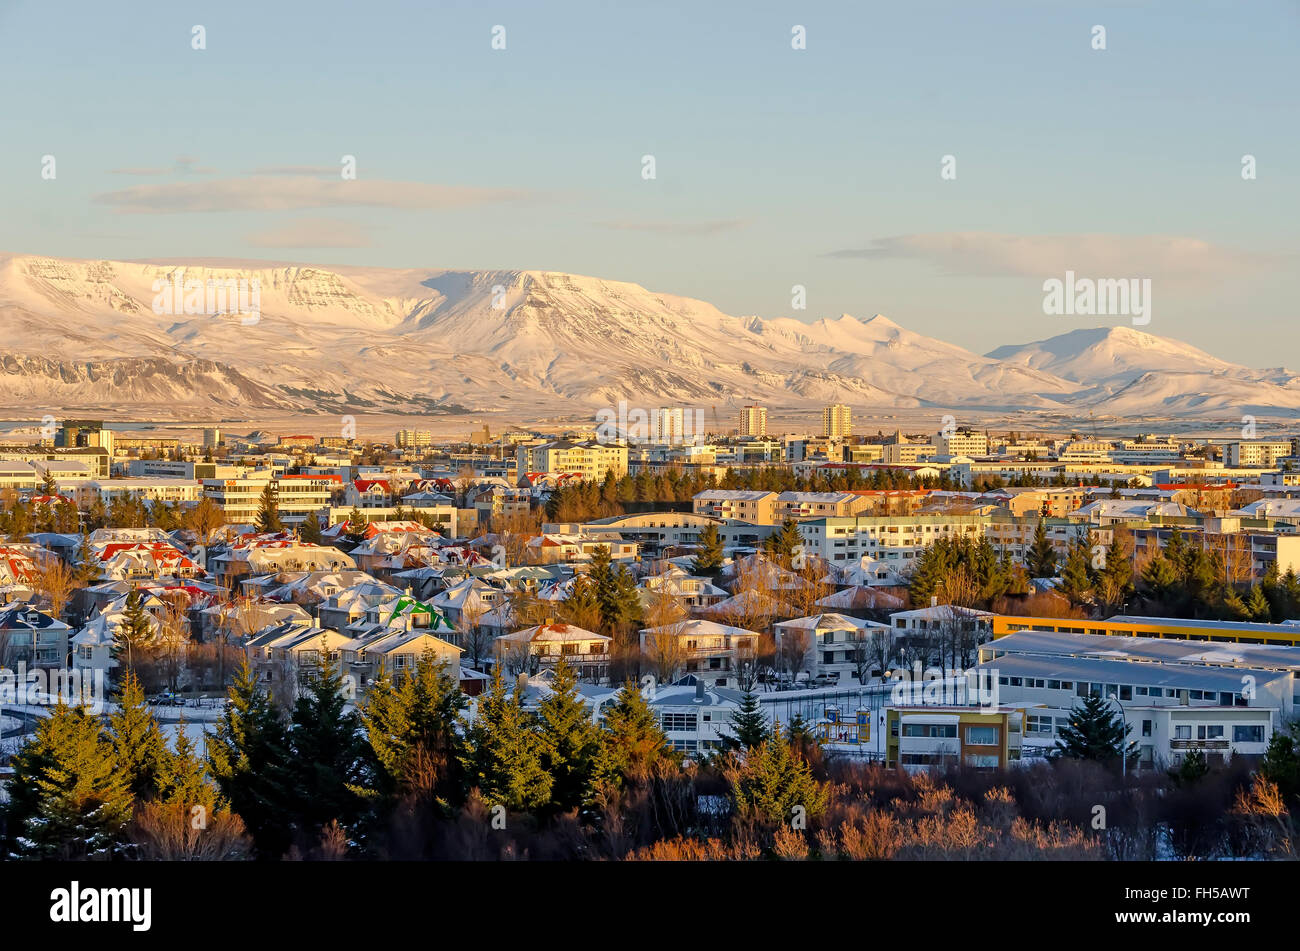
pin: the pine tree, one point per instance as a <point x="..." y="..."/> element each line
<point x="247" y="758"/>
<point x="408" y="723"/>
<point x="708" y="562"/>
<point x="309" y="530"/>
<point x="1191" y="769"/>
<point x="138" y="743"/>
<point x="503" y="760"/>
<point x="326" y="748"/>
<point x="774" y="780"/>
<point x="1096" y="731"/>
<point x="1042" y="557"/>
<point x="67" y="799"/>
<point x="268" y="512"/>
<point x="134" y="632"/>
<point x="1076" y="581"/>
<point x="1281" y="763"/>
<point x="182" y="778"/>
<point x="356" y="530"/>
<point x="1159" y="576"/>
<point x="748" y="725"/>
<point x="570" y="740"/>
<point x="633" y="745"/>
<point x="1258" y="605"/>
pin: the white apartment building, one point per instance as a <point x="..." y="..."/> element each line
<point x="962" y="442"/>
<point x="591" y="460"/>
<point x="908" y="453"/>
<point x="1255" y="452"/>
<point x="746" y="505"/>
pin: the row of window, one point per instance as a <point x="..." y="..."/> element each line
<point x="1084" y="688"/>
<point x="975" y="735"/>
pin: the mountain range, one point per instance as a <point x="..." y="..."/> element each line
<point x="86" y="334"/>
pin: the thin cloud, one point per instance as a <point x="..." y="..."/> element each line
<point x="308" y="170"/>
<point x="184" y="165"/>
<point x="987" y="254"/>
<point x="681" y="228"/>
<point x="271" y="193"/>
<point x="311" y="233"/>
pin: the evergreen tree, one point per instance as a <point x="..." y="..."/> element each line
<point x="134" y="632"/>
<point x="774" y="780"/>
<point x="268" y="511"/>
<point x="1042" y="557"/>
<point x="633" y="745"/>
<point x="1281" y="762"/>
<point x="309" y="530"/>
<point x="1096" y="731"/>
<point x="138" y="743"/>
<point x="1191" y="769"/>
<point x="67" y="799"/>
<point x="247" y="759"/>
<point x="782" y="545"/>
<point x="708" y="561"/>
<point x="1257" y="605"/>
<point x="503" y="760"/>
<point x="570" y="740"/>
<point x="182" y="778"/>
<point x="1076" y="580"/>
<point x="748" y="725"/>
<point x="408" y="724"/>
<point x="326" y="748"/>
<point x="1160" y="577"/>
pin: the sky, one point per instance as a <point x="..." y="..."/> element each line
<point x="774" y="167"/>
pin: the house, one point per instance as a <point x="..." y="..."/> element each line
<point x="695" y="718"/>
<point x="834" y="646"/>
<point x="534" y="649"/>
<point x="921" y="737"/>
<point x="719" y="654"/>
<point x="33" y="638"/>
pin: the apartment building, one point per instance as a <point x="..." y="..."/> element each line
<point x="753" y="420"/>
<point x="819" y="505"/>
<point x="158" y="489"/>
<point x="589" y="460"/>
<point x="694" y="717"/>
<point x="961" y="442"/>
<point x="837" y="421"/>
<point x="538" y="648"/>
<point x="239" y="498"/>
<point x="908" y="453"/>
<point x="299" y="497"/>
<point x="1255" y="452"/>
<point x="832" y="646"/>
<point x="747" y="505"/>
<point x="1222" y="632"/>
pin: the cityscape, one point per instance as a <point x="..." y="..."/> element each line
<point x="749" y="436"/>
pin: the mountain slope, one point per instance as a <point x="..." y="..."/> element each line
<point x="86" y="333"/>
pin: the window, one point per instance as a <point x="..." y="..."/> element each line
<point x="981" y="736"/>
<point x="1209" y="731"/>
<point x="1248" y="734"/>
<point x="1146" y="727"/>
<point x="931" y="730"/>
<point x="1182" y="732"/>
<point x="678" y="722"/>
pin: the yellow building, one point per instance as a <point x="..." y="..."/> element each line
<point x="1232" y="632"/>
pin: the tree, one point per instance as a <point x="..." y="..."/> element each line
<point x="356" y="530"/>
<point x="708" y="561"/>
<point x="748" y="725"/>
<point x="268" y="511"/>
<point x="1042" y="557"/>
<point x="1191" y="769"/>
<point x="773" y="780"/>
<point x="205" y="519"/>
<point x="67" y="798"/>
<point x="326" y="748"/>
<point x="1281" y="761"/>
<point x="56" y="582"/>
<point x="412" y="725"/>
<point x="134" y="632"/>
<point x="1095" y="731"/>
<point x="633" y="744"/>
<point x="1076" y="579"/>
<point x="570" y="740"/>
<point x="247" y="758"/>
<point x="309" y="530"/>
<point x="503" y="760"/>
<point x="138" y="744"/>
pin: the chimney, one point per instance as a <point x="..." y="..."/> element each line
<point x="934" y="600"/>
<point x="699" y="690"/>
<point x="523" y="681"/>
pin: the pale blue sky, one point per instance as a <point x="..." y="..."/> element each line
<point x="775" y="167"/>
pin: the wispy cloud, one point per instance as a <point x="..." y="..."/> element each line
<point x="184" y="165"/>
<point x="987" y="254"/>
<point x="311" y="233"/>
<point x="298" y="170"/>
<point x="681" y="228"/>
<point x="273" y="193"/>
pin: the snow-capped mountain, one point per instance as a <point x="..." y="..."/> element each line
<point x="82" y="334"/>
